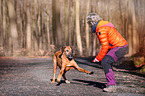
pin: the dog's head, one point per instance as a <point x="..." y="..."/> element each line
<point x="67" y="50"/>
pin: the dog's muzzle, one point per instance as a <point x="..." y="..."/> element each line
<point x="70" y="56"/>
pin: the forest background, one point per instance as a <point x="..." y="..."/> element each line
<point x="40" y="27"/>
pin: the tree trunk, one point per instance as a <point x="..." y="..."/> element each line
<point x="87" y="30"/>
<point x="39" y="29"/>
<point x="71" y="22"/>
<point x="130" y="40"/>
<point x="48" y="34"/>
<point x="135" y="40"/>
<point x="28" y="29"/>
<point x="78" y="35"/>
<point x="1" y="23"/>
<point x="3" y="11"/>
<point x="135" y="33"/>
<point x="66" y="23"/>
<point x="56" y="22"/>
<point x="19" y="23"/>
<point x="13" y="28"/>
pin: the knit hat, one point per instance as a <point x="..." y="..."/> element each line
<point x="93" y="18"/>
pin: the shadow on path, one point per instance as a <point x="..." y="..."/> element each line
<point x="88" y="61"/>
<point x="90" y="83"/>
<point x="116" y="65"/>
<point x="83" y="82"/>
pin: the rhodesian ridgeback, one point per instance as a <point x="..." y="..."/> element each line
<point x="64" y="59"/>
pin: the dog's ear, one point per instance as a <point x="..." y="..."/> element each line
<point x="62" y="49"/>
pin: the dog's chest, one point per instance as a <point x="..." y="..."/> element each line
<point x="67" y="61"/>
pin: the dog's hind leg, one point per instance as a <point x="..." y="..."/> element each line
<point x="65" y="77"/>
<point x="54" y="68"/>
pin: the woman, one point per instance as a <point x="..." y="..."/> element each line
<point x="114" y="46"/>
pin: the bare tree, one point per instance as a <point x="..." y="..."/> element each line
<point x="134" y="43"/>
<point x="1" y="21"/>
<point x="87" y="29"/>
<point x="45" y="25"/>
<point x="28" y="29"/>
<point x="56" y="22"/>
<point x="135" y="33"/>
<point x="3" y="26"/>
<point x="130" y="40"/>
<point x="78" y="35"/>
<point x="66" y="23"/>
<point x="13" y="27"/>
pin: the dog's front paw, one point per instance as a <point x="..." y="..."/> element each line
<point x="53" y="82"/>
<point x="67" y="81"/>
<point x="58" y="80"/>
<point x="91" y="73"/>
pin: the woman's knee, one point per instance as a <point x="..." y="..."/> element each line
<point x="107" y="59"/>
<point x="106" y="63"/>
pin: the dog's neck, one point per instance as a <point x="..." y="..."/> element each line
<point x="60" y="55"/>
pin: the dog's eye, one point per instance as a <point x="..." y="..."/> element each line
<point x="67" y="50"/>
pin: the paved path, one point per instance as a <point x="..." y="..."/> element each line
<point x="32" y="77"/>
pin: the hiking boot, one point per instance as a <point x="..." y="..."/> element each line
<point x="110" y="88"/>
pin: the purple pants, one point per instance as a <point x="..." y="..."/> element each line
<point x="112" y="56"/>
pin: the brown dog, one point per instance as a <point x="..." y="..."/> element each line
<point x="64" y="59"/>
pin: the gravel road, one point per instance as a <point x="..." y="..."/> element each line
<point x="32" y="77"/>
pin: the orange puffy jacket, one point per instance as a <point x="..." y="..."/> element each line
<point x="108" y="35"/>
